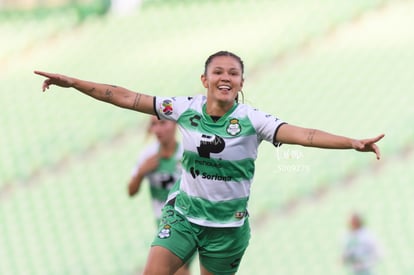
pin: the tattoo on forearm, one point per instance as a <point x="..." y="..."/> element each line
<point x="310" y="136"/>
<point x="91" y="91"/>
<point x="108" y="95"/>
<point x="136" y="101"/>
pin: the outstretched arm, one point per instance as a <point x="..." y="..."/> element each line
<point x="291" y="134"/>
<point x="108" y="93"/>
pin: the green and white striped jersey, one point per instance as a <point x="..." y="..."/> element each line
<point x="163" y="177"/>
<point x="218" y="159"/>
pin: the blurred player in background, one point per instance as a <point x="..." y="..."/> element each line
<point x="361" y="252"/>
<point x="160" y="164"/>
<point x="207" y="210"/>
<point x="124" y="7"/>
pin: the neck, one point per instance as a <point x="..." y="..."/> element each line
<point x="218" y="108"/>
<point x="168" y="149"/>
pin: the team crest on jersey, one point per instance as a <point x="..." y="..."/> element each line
<point x="165" y="232"/>
<point x="234" y="127"/>
<point x="167" y="107"/>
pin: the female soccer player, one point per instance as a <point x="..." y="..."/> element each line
<point x="207" y="211"/>
<point x="160" y="163"/>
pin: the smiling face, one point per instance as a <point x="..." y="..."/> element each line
<point x="223" y="79"/>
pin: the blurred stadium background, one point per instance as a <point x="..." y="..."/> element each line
<point x="65" y="159"/>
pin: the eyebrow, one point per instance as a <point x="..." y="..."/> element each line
<point x="221" y="68"/>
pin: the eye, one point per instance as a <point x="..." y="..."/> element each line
<point x="234" y="73"/>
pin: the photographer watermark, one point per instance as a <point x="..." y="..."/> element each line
<point x="288" y="156"/>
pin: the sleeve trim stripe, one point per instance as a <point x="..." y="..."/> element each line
<point x="277" y="143"/>
<point x="155" y="109"/>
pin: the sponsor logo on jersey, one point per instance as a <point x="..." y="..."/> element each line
<point x="208" y="163"/>
<point x="195" y="173"/>
<point x="210" y="144"/>
<point x="234" y="127"/>
<point x="167" y="107"/>
<point x="215" y="177"/>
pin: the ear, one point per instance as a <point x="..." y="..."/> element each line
<point x="204" y="81"/>
<point x="241" y="83"/>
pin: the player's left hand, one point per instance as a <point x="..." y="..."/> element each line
<point x="368" y="145"/>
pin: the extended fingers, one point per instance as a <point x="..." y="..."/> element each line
<point x="371" y="146"/>
<point x="376" y="151"/>
<point x="45" y="85"/>
<point x="378" y="138"/>
<point x="370" y="141"/>
<point x="45" y="74"/>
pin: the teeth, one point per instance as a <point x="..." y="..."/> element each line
<point x="224" y="87"/>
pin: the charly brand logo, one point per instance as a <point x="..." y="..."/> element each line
<point x="194" y="120"/>
<point x="234" y="127"/>
<point x="167" y="107"/>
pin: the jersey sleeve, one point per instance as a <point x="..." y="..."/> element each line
<point x="170" y="108"/>
<point x="266" y="126"/>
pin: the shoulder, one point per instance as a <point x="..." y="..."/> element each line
<point x="247" y="109"/>
<point x="196" y="100"/>
<point x="149" y="150"/>
<point x="172" y="107"/>
<point x="182" y="99"/>
<point x="254" y="114"/>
